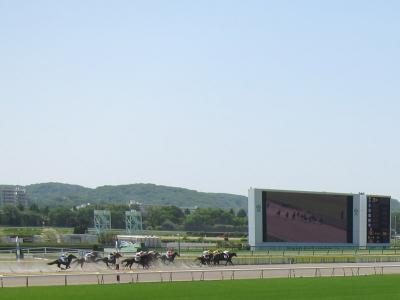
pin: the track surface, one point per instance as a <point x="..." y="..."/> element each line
<point x="16" y="274"/>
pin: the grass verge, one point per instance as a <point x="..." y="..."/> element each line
<point x="367" y="287"/>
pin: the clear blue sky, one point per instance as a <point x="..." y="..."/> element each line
<point x="210" y="95"/>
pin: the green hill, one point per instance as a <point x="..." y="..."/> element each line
<point x="55" y="194"/>
<point x="394" y="205"/>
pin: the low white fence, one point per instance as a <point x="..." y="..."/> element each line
<point x="52" y="252"/>
<point x="193" y="275"/>
<point x="44" y="250"/>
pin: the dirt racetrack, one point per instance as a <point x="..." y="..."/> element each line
<point x="38" y="273"/>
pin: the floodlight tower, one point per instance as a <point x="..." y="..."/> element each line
<point x="133" y="220"/>
<point x="102" y="220"/>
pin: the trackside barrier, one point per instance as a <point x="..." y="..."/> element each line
<point x="268" y="251"/>
<point x="45" y="250"/>
<point x="272" y="259"/>
<point x="193" y="275"/>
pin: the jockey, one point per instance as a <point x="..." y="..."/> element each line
<point x="218" y="251"/>
<point x="90" y="255"/>
<point x="111" y="255"/>
<point x="64" y="257"/>
<point x="226" y="254"/>
<point x="206" y="254"/>
<point x="138" y="255"/>
<point x="170" y="252"/>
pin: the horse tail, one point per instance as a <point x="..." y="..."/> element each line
<point x="52" y="263"/>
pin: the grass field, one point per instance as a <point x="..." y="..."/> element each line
<point x="368" y="287"/>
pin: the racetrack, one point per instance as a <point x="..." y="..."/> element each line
<point x="38" y="273"/>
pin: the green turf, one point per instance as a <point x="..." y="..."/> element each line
<point x="367" y="287"/>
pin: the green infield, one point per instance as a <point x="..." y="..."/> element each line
<point x="367" y="287"/>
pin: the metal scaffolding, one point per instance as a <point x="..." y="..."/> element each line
<point x="102" y="220"/>
<point x="133" y="220"/>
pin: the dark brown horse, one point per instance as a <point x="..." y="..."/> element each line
<point x="223" y="257"/>
<point x="169" y="259"/>
<point x="205" y="260"/>
<point x="110" y="260"/>
<point x="143" y="260"/>
<point x="66" y="263"/>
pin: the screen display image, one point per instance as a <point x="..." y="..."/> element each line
<point x="378" y="220"/>
<point x="307" y="218"/>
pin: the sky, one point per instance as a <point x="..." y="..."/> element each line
<point x="216" y="96"/>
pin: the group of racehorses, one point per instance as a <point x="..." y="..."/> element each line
<point x="144" y="259"/>
<point x="216" y="258"/>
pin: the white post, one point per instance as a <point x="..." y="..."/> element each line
<point x="395" y="230"/>
<point x="17" y="249"/>
<point x="179" y="243"/>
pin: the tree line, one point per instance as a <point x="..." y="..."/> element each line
<point x="154" y="217"/>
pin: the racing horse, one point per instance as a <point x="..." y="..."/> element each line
<point x="88" y="258"/>
<point x="110" y="260"/>
<point x="66" y="263"/>
<point x="224" y="257"/>
<point x="143" y="260"/>
<point x="205" y="260"/>
<point x="169" y="259"/>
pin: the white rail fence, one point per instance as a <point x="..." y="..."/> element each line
<point x="193" y="275"/>
<point x="44" y="250"/>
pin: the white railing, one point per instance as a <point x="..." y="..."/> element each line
<point x="194" y="275"/>
<point x="44" y="250"/>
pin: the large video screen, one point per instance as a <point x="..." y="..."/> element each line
<point x="307" y="217"/>
<point x="378" y="220"/>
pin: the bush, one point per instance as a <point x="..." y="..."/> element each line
<point x="80" y="229"/>
<point x="169" y="225"/>
<point x="228" y="245"/>
<point x="107" y="238"/>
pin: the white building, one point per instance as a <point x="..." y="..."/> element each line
<point x="13" y="196"/>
